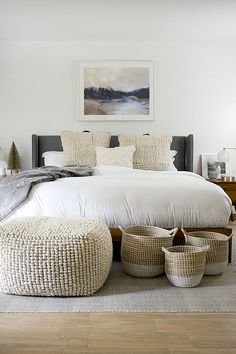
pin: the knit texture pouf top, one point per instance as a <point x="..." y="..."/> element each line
<point x="47" y="256"/>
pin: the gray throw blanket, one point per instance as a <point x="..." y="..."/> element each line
<point x="14" y="190"/>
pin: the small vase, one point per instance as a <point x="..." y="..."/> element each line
<point x="214" y="170"/>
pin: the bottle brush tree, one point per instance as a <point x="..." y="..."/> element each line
<point x="14" y="163"/>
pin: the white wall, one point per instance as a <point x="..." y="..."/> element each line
<point x="195" y="90"/>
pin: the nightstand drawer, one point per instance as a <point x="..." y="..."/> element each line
<point x="228" y="187"/>
<point x="232" y="195"/>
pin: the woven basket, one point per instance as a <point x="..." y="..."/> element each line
<point x="184" y="265"/>
<point x="141" y="252"/>
<point x="217" y="257"/>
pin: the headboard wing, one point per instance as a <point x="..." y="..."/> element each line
<point x="182" y="144"/>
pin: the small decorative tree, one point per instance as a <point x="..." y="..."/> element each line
<point x="14" y="163"/>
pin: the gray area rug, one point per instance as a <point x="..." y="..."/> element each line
<point x="123" y="293"/>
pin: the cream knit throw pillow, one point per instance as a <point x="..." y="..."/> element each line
<point x="152" y="152"/>
<point x="79" y="148"/>
<point x="117" y="156"/>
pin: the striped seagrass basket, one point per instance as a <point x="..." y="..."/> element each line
<point x="217" y="256"/>
<point x="141" y="250"/>
<point x="184" y="265"/>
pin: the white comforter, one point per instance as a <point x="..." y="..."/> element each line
<point x="123" y="196"/>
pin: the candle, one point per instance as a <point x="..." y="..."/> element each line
<point x="2" y="172"/>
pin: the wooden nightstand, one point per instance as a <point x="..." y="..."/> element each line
<point x="228" y="187"/>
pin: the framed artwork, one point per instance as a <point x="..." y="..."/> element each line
<point x="212" y="168"/>
<point x="115" y="91"/>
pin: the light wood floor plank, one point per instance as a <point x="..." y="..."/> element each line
<point x="216" y="339"/>
<point x="122" y="351"/>
<point x="28" y="320"/>
<point x="204" y="351"/>
<point x="195" y="323"/>
<point x="117" y="333"/>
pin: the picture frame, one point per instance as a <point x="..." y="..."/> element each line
<point x="223" y="170"/>
<point x="115" y="91"/>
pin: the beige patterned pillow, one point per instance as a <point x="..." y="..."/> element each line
<point x="117" y="156"/>
<point x="152" y="152"/>
<point x="79" y="148"/>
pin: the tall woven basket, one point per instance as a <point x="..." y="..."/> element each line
<point x="217" y="256"/>
<point x="184" y="265"/>
<point x="141" y="249"/>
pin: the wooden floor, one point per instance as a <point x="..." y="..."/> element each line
<point x="117" y="333"/>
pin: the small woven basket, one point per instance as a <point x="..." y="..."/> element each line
<point x="141" y="250"/>
<point x="217" y="257"/>
<point x="184" y="265"/>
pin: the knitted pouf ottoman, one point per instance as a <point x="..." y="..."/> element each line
<point x="45" y="256"/>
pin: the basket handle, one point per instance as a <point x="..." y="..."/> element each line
<point x="122" y="230"/>
<point x="205" y="248"/>
<point x="165" y="250"/>
<point x="184" y="233"/>
<point x="173" y="232"/>
<point x="230" y="236"/>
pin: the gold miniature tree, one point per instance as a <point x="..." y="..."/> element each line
<point x="14" y="163"/>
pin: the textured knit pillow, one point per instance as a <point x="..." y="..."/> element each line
<point x="117" y="156"/>
<point x="79" y="148"/>
<point x="152" y="152"/>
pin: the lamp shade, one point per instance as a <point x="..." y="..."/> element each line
<point x="223" y="156"/>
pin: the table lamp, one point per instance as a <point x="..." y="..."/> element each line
<point x="224" y="156"/>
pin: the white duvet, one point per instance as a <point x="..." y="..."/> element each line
<point x="123" y="196"/>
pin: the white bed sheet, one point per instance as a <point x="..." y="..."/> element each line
<point x="124" y="196"/>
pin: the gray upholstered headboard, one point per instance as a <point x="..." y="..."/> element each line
<point x="182" y="144"/>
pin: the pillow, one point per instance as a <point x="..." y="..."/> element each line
<point x="79" y="148"/>
<point x="53" y="158"/>
<point x="112" y="170"/>
<point x="152" y="152"/>
<point x="56" y="158"/>
<point x="117" y="156"/>
<point x="172" y="160"/>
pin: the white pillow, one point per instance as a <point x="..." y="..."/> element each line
<point x="172" y="160"/>
<point x="53" y="158"/>
<point x="56" y="158"/>
<point x="112" y="170"/>
<point x="117" y="156"/>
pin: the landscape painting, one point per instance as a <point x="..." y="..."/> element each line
<point x="116" y="91"/>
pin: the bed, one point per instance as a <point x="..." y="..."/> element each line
<point x="125" y="197"/>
